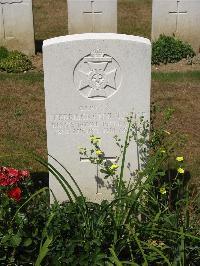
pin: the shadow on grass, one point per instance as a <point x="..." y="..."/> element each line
<point x="40" y="179"/>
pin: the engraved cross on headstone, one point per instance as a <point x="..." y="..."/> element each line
<point x="97" y="177"/>
<point x="3" y="3"/>
<point x="92" y="13"/>
<point x="177" y="13"/>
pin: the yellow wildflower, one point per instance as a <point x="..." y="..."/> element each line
<point x="82" y="150"/>
<point x="181" y="170"/>
<point x="167" y="132"/>
<point x="95" y="139"/>
<point x="156" y="243"/>
<point x="162" y="150"/>
<point x="179" y="159"/>
<point x="163" y="190"/>
<point x="99" y="152"/>
<point x="114" y="166"/>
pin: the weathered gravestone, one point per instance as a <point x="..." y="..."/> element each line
<point x="177" y="18"/>
<point x="16" y="25"/>
<point x="92" y="16"/>
<point x="92" y="82"/>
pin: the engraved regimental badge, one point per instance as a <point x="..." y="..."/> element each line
<point x="97" y="76"/>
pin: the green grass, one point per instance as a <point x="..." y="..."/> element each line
<point x="23" y="119"/>
<point x="23" y="115"/>
<point x="29" y="77"/>
<point x="189" y="76"/>
<point x="180" y="91"/>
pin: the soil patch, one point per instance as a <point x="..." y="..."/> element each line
<point x="181" y="66"/>
<point x="37" y="62"/>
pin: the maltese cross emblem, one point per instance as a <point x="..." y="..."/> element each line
<point x="96" y="76"/>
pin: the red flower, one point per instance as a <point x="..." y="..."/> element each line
<point x="10" y="176"/>
<point x="15" y="193"/>
<point x="4" y="181"/>
<point x="11" y="172"/>
<point x="2" y="176"/>
<point x="24" y="173"/>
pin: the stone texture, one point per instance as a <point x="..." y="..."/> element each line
<point x="180" y="18"/>
<point x="92" y="82"/>
<point x="92" y="16"/>
<point x="16" y="25"/>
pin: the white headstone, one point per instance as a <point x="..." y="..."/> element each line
<point x="92" y="16"/>
<point x="92" y="82"/>
<point x="16" y="25"/>
<point x="177" y="18"/>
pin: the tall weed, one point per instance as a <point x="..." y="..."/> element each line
<point x="147" y="222"/>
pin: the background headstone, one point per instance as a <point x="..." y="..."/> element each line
<point x="92" y="82"/>
<point x="92" y="16"/>
<point x="16" y="25"/>
<point x="179" y="18"/>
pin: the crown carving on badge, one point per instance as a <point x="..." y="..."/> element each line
<point x="97" y="53"/>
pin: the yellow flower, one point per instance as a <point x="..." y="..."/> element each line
<point x="156" y="243"/>
<point x="163" y="190"/>
<point x="167" y="132"/>
<point x="114" y="167"/>
<point x="181" y="170"/>
<point x="162" y="150"/>
<point x="82" y="150"/>
<point x="99" y="152"/>
<point x="95" y="139"/>
<point x="179" y="159"/>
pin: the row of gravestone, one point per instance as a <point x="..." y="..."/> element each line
<point x="171" y="17"/>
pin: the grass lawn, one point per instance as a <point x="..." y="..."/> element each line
<point x="181" y="91"/>
<point x="23" y="113"/>
<point x="23" y="118"/>
<point x="22" y="127"/>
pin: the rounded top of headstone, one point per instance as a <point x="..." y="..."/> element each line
<point x="10" y="1"/>
<point x="96" y="36"/>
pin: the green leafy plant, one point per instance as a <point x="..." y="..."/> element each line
<point x="14" y="61"/>
<point x="169" y="49"/>
<point x="3" y="52"/>
<point x="146" y="223"/>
